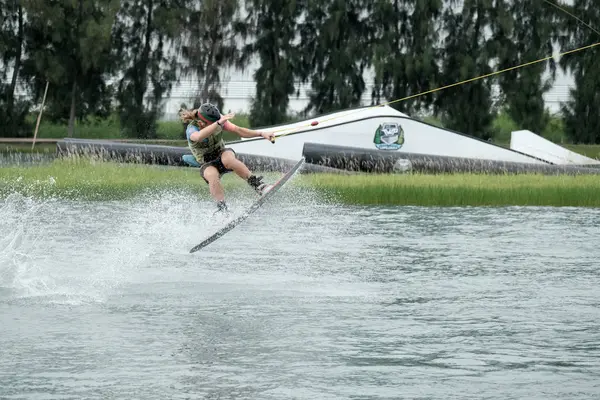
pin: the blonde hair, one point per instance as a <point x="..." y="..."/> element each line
<point x="187" y="116"/>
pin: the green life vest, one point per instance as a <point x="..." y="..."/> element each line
<point x="209" y="146"/>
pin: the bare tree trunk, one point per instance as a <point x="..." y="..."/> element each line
<point x="140" y="90"/>
<point x="72" y="113"/>
<point x="207" y="75"/>
<point x="17" y="67"/>
<point x="74" y="90"/>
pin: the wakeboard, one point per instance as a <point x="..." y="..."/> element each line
<point x="261" y="200"/>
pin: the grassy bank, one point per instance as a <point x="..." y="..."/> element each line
<point x="171" y="133"/>
<point x="89" y="180"/>
<point x="26" y="148"/>
<point x="110" y="128"/>
<point x="588" y="150"/>
<point x="460" y="189"/>
<point x="592" y="151"/>
<point x="85" y="179"/>
<point x="51" y="147"/>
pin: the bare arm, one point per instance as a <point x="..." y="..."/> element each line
<point x="205" y="132"/>
<point x="247" y="133"/>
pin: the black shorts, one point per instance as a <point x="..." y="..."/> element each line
<point x="214" y="159"/>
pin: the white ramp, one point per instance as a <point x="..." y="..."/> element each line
<point x="529" y="143"/>
<point x="376" y="128"/>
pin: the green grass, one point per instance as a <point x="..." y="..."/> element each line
<point x="85" y="179"/>
<point x="502" y="126"/>
<point x="459" y="189"/>
<point x="48" y="148"/>
<point x="110" y="128"/>
<point x="588" y="150"/>
<point x="88" y="179"/>
<point x="171" y="133"/>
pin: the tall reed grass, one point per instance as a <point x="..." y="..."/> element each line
<point x="87" y="179"/>
<point x="459" y="189"/>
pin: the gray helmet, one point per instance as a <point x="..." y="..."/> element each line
<point x="208" y="113"/>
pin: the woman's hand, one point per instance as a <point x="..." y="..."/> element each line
<point x="268" y="135"/>
<point x="225" y="117"/>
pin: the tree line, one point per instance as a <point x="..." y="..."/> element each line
<point x="122" y="57"/>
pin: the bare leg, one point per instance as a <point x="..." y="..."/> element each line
<point x="231" y="162"/>
<point x="211" y="174"/>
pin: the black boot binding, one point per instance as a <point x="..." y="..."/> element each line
<point x="222" y="207"/>
<point x="256" y="183"/>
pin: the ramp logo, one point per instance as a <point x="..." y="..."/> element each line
<point x="389" y="136"/>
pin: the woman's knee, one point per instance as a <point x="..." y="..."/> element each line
<point x="228" y="158"/>
<point x="211" y="174"/>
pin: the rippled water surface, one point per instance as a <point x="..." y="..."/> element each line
<point x="304" y="300"/>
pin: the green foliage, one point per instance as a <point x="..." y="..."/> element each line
<point x="334" y="37"/>
<point x="209" y="46"/>
<point x="68" y="44"/>
<point x="554" y="129"/>
<point x="273" y="25"/>
<point x="581" y="111"/>
<point x="524" y="31"/>
<point x="459" y="189"/>
<point x="502" y="126"/>
<point x="13" y="115"/>
<point x="405" y="51"/>
<point x="432" y="120"/>
<point x="110" y="128"/>
<point x="14" y="148"/>
<point x="582" y="117"/>
<point x="467" y="108"/>
<point x="89" y="179"/>
<point x="588" y="150"/>
<point x="149" y="69"/>
<point x="122" y="57"/>
<point x="12" y="110"/>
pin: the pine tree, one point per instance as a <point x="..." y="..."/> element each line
<point x="335" y="50"/>
<point x="145" y="39"/>
<point x="406" y="51"/>
<point x="524" y="31"/>
<point x="211" y="29"/>
<point x="12" y="26"/>
<point x="467" y="108"/>
<point x="581" y="112"/>
<point x="273" y="25"/>
<point x="68" y="43"/>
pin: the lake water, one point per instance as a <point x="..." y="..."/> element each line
<point x="304" y="300"/>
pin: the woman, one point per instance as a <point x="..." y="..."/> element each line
<point x="205" y="139"/>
